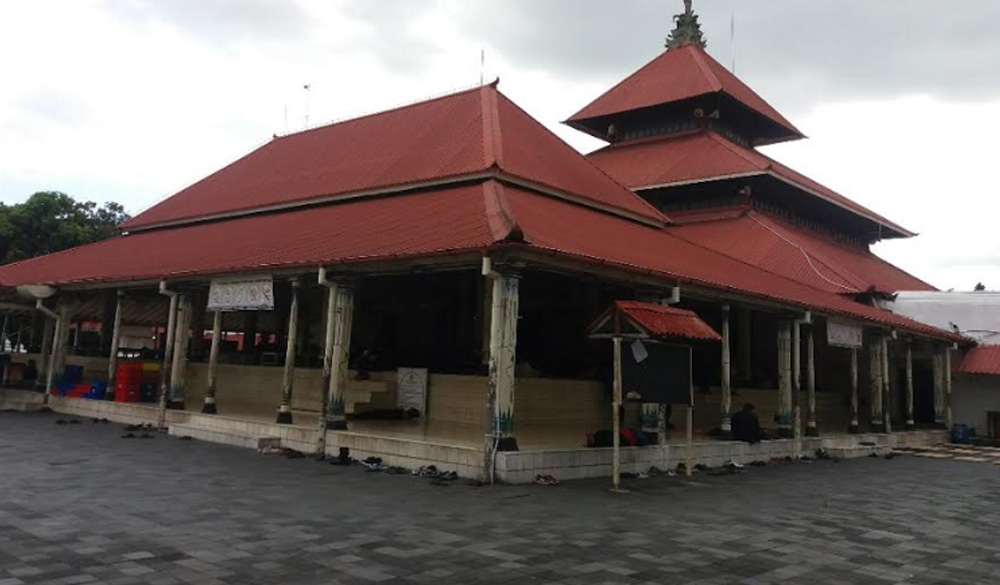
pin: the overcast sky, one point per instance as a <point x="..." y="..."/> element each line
<point x="131" y="100"/>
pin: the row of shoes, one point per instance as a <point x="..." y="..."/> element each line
<point x="546" y="479"/>
<point x="103" y="421"/>
<point x="142" y="436"/>
<point x="140" y="427"/>
<point x="72" y="421"/>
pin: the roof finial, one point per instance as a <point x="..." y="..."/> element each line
<point x="687" y="30"/>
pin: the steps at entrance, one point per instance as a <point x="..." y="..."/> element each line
<point x="21" y="400"/>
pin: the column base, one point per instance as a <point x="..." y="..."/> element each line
<point x="209" y="408"/>
<point x="854" y="429"/>
<point x="812" y="432"/>
<point x="284" y="417"/>
<point x="785" y="433"/>
<point x="175" y="405"/>
<point x="336" y="425"/>
<point x="653" y="436"/>
<point x="878" y="427"/>
<point x="503" y="443"/>
<point x="910" y="426"/>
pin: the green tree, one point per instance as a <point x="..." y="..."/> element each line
<point x="50" y="221"/>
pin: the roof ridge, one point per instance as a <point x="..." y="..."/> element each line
<point x="502" y="223"/>
<point x="492" y="132"/>
<point x="698" y="55"/>
<point x="615" y="86"/>
<point x="656" y="213"/>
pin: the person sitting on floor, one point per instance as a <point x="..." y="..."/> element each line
<point x="746" y="425"/>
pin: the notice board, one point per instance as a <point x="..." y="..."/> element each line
<point x="663" y="377"/>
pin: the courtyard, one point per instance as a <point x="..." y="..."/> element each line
<point x="80" y="504"/>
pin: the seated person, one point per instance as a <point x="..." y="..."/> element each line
<point x="746" y="425"/>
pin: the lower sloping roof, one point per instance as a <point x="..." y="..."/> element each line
<point x="982" y="360"/>
<point x="470" y="218"/>
<point x="798" y="253"/>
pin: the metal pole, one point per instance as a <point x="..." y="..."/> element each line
<point x="182" y="337"/>
<point x="285" y="410"/>
<point x="616" y="403"/>
<point x="886" y="389"/>
<point x="109" y="392"/>
<point x="948" y="418"/>
<point x="53" y="354"/>
<point x="213" y="365"/>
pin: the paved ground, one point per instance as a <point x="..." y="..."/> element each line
<point x="80" y="505"/>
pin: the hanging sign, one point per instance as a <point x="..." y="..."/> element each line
<point x="252" y="294"/>
<point x="839" y="334"/>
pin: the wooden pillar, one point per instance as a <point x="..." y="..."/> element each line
<point x="330" y="330"/>
<point x="785" y="380"/>
<point x="616" y="405"/>
<point x="116" y="331"/>
<point x="726" y="403"/>
<point x="288" y="380"/>
<point x="812" y="429"/>
<point x="746" y="347"/>
<point x="875" y="371"/>
<point x="797" y="382"/>
<point x="854" y="426"/>
<point x="939" y="415"/>
<point x="503" y="346"/>
<point x="60" y="347"/>
<point x="53" y="358"/>
<point x="182" y="339"/>
<point x="948" y="419"/>
<point x="209" y="407"/>
<point x="910" y="423"/>
<point x="886" y="386"/>
<point x="339" y="357"/>
<point x="168" y="360"/>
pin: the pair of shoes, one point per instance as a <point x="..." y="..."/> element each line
<point x="733" y="467"/>
<point x="822" y="454"/>
<point x="374" y="466"/>
<point x="758" y="463"/>
<point x="546" y="479"/>
<point x="75" y="421"/>
<point x="292" y="453"/>
<point x="372" y="460"/>
<point x="187" y="438"/>
<point x="426" y="471"/>
<point x="394" y="470"/>
<point x="146" y="436"/>
<point x="128" y="436"/>
<point x="60" y="422"/>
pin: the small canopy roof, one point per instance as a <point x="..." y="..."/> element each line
<point x="637" y="320"/>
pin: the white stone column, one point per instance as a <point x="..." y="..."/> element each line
<point x="44" y="354"/>
<point x="182" y="339"/>
<point x="503" y="345"/>
<point x="109" y="392"/>
<point x="854" y="427"/>
<point x="288" y="378"/>
<point x="330" y="331"/>
<point x="910" y="423"/>
<point x="727" y="391"/>
<point x="785" y="380"/>
<point x="341" y="353"/>
<point x="168" y="360"/>
<point x="210" y="406"/>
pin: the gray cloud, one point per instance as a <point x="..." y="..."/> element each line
<point x="795" y="52"/>
<point x="219" y="21"/>
<point x="392" y="37"/>
<point x="56" y="106"/>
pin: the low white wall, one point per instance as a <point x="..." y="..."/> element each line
<point x="972" y="396"/>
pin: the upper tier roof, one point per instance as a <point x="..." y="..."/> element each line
<point x="676" y="75"/>
<point x="452" y="138"/>
<point x="706" y="156"/>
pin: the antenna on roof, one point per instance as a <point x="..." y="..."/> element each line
<point x="732" y="39"/>
<point x="482" y="67"/>
<point x="286" y="118"/>
<point x="307" y="87"/>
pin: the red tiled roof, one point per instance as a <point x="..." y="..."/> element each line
<point x="473" y="132"/>
<point x="707" y="156"/>
<point x="576" y="232"/>
<point x="982" y="360"/>
<point x="660" y="321"/>
<point x="799" y="254"/>
<point x="674" y="75"/>
<point x="437" y="222"/>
